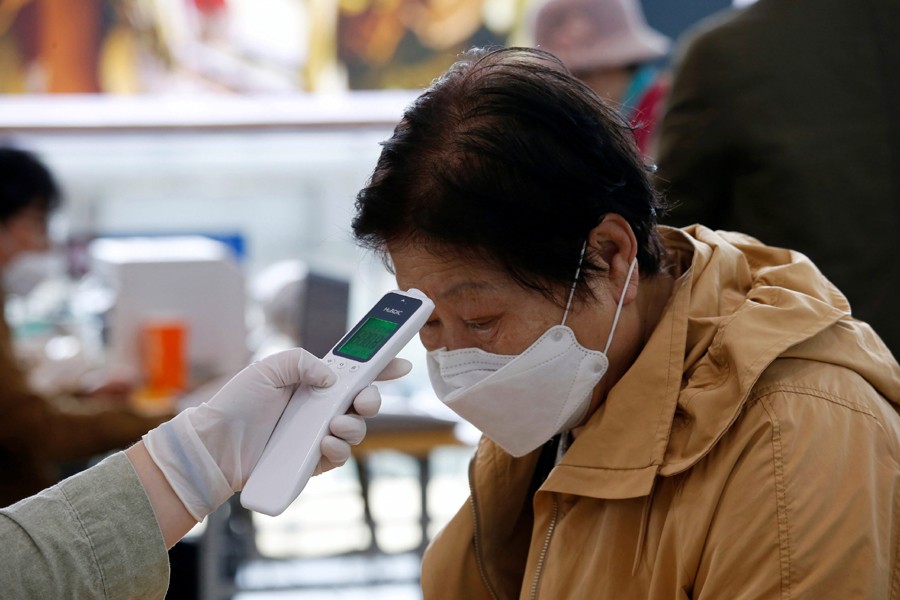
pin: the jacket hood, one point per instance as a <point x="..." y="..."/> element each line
<point x="736" y="307"/>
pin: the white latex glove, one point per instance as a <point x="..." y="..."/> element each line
<point x="207" y="452"/>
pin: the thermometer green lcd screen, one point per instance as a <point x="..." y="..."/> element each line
<point x="363" y="344"/>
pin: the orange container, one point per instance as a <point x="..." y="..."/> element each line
<point x="164" y="355"/>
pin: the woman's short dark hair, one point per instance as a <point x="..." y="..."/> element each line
<point x="25" y="183"/>
<point x="509" y="159"/>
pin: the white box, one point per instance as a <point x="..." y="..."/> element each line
<point x="194" y="278"/>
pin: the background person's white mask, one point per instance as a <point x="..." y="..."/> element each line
<point x="28" y="269"/>
<point x="521" y="401"/>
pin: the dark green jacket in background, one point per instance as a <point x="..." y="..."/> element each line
<point x="784" y="123"/>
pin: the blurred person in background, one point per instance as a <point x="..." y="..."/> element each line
<point x="609" y="46"/>
<point x="784" y="123"/>
<point x="37" y="433"/>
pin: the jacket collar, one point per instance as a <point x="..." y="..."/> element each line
<point x="726" y="321"/>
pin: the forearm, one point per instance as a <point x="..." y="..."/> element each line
<point x="92" y="536"/>
<point x="174" y="520"/>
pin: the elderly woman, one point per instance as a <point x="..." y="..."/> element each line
<point x="666" y="413"/>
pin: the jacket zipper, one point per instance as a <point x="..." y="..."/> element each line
<point x="475" y="541"/>
<point x="540" y="566"/>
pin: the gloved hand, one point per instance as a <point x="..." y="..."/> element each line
<point x="207" y="452"/>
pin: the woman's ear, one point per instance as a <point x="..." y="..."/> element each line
<point x="613" y="246"/>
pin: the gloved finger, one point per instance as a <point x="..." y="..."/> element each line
<point x="335" y="452"/>
<point x="295" y="366"/>
<point x="396" y="369"/>
<point x="350" y="428"/>
<point x="368" y="402"/>
<point x="314" y="371"/>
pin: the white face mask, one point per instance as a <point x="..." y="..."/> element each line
<point x="522" y="401"/>
<point x="28" y="269"/>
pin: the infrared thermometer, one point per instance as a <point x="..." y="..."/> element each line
<point x="294" y="449"/>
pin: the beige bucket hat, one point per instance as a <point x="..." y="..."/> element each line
<point x="597" y="34"/>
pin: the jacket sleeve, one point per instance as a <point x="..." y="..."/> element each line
<point x="92" y="536"/>
<point x="809" y="502"/>
<point x="694" y="170"/>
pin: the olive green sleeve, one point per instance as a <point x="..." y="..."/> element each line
<point x="92" y="536"/>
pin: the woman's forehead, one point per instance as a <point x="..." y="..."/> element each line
<point x="445" y="273"/>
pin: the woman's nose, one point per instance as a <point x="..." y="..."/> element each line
<point x="455" y="338"/>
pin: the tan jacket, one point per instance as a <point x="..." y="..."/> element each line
<point x="751" y="451"/>
<point x="37" y="433"/>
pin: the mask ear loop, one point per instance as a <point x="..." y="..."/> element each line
<point x="574" y="283"/>
<point x="619" y="307"/>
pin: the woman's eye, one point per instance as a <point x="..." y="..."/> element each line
<point x="481" y="325"/>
